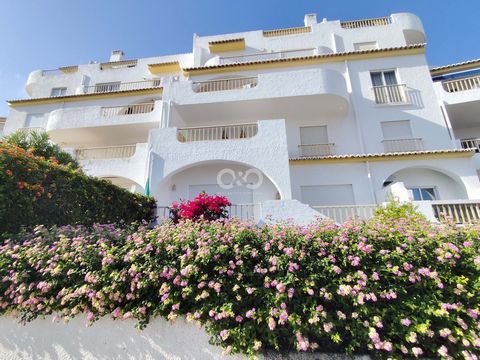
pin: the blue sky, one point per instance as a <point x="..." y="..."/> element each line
<point x="45" y="34"/>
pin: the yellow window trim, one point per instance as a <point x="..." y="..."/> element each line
<point x="379" y="158"/>
<point x="308" y="60"/>
<point x="226" y="45"/>
<point x="82" y="97"/>
<point x="166" y="67"/>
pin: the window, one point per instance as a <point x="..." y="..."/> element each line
<point x="36" y="121"/>
<point x="422" y="193"/>
<point x="310" y="135"/>
<point x="60" y="91"/>
<point x="107" y="87"/>
<point x="386" y="88"/>
<point x="365" y="45"/>
<point x="384" y="78"/>
<point x="327" y="195"/>
<point x="396" y="130"/>
<point x="314" y="141"/>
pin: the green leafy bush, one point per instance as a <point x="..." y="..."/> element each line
<point x="34" y="191"/>
<point x="38" y="143"/>
<point x="396" y="290"/>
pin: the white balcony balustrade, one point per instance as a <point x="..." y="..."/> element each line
<point x="357" y="24"/>
<point x="402" y="145"/>
<point x="471" y="144"/>
<point x="212" y="133"/>
<point x="460" y="212"/>
<point x="288" y="31"/>
<point x="266" y="56"/>
<point x="391" y="94"/>
<point x="224" y="84"/>
<point x="127" y="110"/>
<point x="106" y="152"/>
<point x="316" y="150"/>
<point x="342" y="213"/>
<point x="125" y="86"/>
<point x="238" y="211"/>
<point x="468" y="83"/>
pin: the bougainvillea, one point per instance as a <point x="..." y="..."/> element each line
<point x="394" y="289"/>
<point x="202" y="207"/>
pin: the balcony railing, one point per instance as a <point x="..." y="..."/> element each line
<point x="402" y="145"/>
<point x="267" y="56"/>
<point x="316" y="150"/>
<point x="464" y="84"/>
<point x="210" y="133"/>
<point x="113" y="87"/>
<point x="459" y="212"/>
<point x="239" y="211"/>
<point x="106" y="152"/>
<point x="127" y="110"/>
<point x="225" y="84"/>
<point x="391" y="94"/>
<point x="289" y="31"/>
<point x="471" y="144"/>
<point x="342" y="213"/>
<point x="356" y="24"/>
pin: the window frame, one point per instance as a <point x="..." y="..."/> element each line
<point x="429" y="187"/>
<point x="314" y="126"/>
<point x="383" y="71"/>
<point x="61" y="89"/>
<point x="398" y="138"/>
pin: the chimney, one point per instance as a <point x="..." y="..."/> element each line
<point x="117" y="55"/>
<point x="310" y="19"/>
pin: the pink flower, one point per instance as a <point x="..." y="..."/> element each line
<point x="249" y="314"/>
<point x="283" y="317"/>
<point x="328" y="327"/>
<point x="271" y="324"/>
<point x="417" y="351"/>
<point x="90" y="316"/>
<point x="281" y="288"/>
<point x="442" y="351"/>
<point x="405" y="322"/>
<point x="291" y="291"/>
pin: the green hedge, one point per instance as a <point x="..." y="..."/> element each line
<point x="34" y="191"/>
<point x="395" y="288"/>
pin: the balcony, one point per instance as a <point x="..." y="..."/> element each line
<point x="96" y="125"/>
<point x="269" y="96"/>
<point x="106" y="152"/>
<point x="213" y="133"/>
<point x="224" y="84"/>
<point x="391" y="94"/>
<point x="288" y="31"/>
<point x="316" y="150"/>
<point x="122" y="86"/>
<point x="266" y="56"/>
<point x="465" y="84"/>
<point x="471" y="144"/>
<point x="115" y="162"/>
<point x="357" y="24"/>
<point x="402" y="145"/>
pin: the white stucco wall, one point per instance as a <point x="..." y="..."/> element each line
<point x="266" y="151"/>
<point x="43" y="339"/>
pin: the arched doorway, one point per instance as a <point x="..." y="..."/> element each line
<point x="425" y="183"/>
<point x="240" y="183"/>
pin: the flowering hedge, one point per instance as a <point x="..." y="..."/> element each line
<point x="35" y="190"/>
<point x="395" y="289"/>
<point x="202" y="207"/>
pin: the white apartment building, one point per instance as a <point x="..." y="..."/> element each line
<point x="334" y="114"/>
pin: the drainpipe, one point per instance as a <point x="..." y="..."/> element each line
<point x="359" y="133"/>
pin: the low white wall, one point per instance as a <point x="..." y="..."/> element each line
<point x="43" y="339"/>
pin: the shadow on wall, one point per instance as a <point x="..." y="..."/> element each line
<point x="105" y="339"/>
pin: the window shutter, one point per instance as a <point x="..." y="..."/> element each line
<point x="396" y="130"/>
<point x="313" y="135"/>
